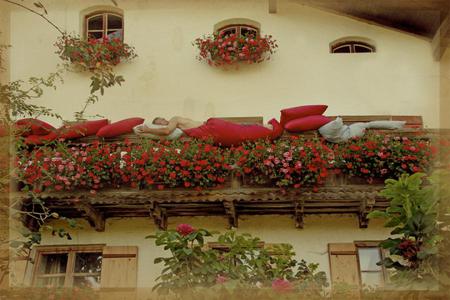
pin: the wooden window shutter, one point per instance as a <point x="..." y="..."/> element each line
<point x="119" y="267"/>
<point x="344" y="265"/>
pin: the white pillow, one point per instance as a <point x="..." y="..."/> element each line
<point x="386" y="124"/>
<point x="176" y="134"/>
<point x="334" y="130"/>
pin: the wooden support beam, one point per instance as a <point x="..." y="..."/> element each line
<point x="367" y="203"/>
<point x="159" y="215"/>
<point x="273" y="6"/>
<point x="230" y="210"/>
<point x="95" y="218"/>
<point x="441" y="39"/>
<point x="299" y="213"/>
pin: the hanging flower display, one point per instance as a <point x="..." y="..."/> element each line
<point x="228" y="49"/>
<point x="93" y="54"/>
<point x="195" y="164"/>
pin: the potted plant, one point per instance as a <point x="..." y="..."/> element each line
<point x="228" y="49"/>
<point x="93" y="54"/>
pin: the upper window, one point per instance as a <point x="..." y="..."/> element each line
<point x="352" y="45"/>
<point x="102" y="24"/>
<point x="238" y="26"/>
<point x="241" y="30"/>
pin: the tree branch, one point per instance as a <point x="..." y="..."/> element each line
<point x="37" y="13"/>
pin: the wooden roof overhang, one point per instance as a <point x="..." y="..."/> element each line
<point x="428" y="19"/>
<point x="231" y="203"/>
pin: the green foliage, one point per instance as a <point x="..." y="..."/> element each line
<point x="412" y="214"/>
<point x="241" y="261"/>
<point x="16" y="95"/>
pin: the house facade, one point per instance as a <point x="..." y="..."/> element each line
<point x="381" y="71"/>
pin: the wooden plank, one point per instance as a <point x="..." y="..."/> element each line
<point x="119" y="267"/>
<point x="441" y="39"/>
<point x="273" y="6"/>
<point x="244" y="120"/>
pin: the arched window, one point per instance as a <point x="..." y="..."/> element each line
<point x="102" y="23"/>
<point x="238" y="26"/>
<point x="352" y="45"/>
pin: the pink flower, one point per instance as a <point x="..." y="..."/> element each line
<point x="221" y="279"/>
<point x="185" y="229"/>
<point x="282" y="286"/>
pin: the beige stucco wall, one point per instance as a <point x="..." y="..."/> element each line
<point x="166" y="79"/>
<point x="309" y="243"/>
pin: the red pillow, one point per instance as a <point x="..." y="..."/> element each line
<point x="300" y="112"/>
<point x="277" y="129"/>
<point x="77" y="130"/>
<point x="40" y="139"/>
<point x="119" y="127"/>
<point x="31" y="126"/>
<point x="224" y="132"/>
<point x="307" y="123"/>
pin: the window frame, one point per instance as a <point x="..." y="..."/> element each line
<point x="351" y="43"/>
<point x="383" y="271"/>
<point x="104" y="30"/>
<point x="238" y="27"/>
<point x="71" y="251"/>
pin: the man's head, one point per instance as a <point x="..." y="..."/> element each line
<point x="160" y="121"/>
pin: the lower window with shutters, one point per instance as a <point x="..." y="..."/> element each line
<point x="94" y="266"/>
<point x="355" y="264"/>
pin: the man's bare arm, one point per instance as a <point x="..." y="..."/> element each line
<point x="173" y="123"/>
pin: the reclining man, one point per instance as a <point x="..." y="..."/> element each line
<point x="184" y="124"/>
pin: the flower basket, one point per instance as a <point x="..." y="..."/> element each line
<point x="221" y="50"/>
<point x="93" y="54"/>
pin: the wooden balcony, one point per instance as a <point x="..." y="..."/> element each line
<point x="339" y="195"/>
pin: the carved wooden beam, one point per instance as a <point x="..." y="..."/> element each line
<point x="95" y="218"/>
<point x="273" y="6"/>
<point x="441" y="39"/>
<point x="230" y="210"/>
<point x="159" y="215"/>
<point x="299" y="213"/>
<point x="367" y="202"/>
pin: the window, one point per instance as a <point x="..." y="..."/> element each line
<point x="101" y="24"/>
<point x="355" y="264"/>
<point x="78" y="266"/>
<point x="352" y="45"/>
<point x="370" y="273"/>
<point x="91" y="266"/>
<point x="238" y="26"/>
<point x="242" y="30"/>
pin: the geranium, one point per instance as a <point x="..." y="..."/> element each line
<point x="221" y="279"/>
<point x="185" y="229"/>
<point x="227" y="49"/>
<point x="282" y="286"/>
<point x="93" y="54"/>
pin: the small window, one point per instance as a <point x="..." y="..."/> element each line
<point x="102" y="24"/>
<point x="371" y="274"/>
<point x="348" y="45"/>
<point x="74" y="266"/>
<point x="241" y="30"/>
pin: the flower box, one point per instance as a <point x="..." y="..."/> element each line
<point x="220" y="50"/>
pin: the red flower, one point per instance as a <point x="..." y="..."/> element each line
<point x="282" y="286"/>
<point x="221" y="279"/>
<point x="185" y="229"/>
